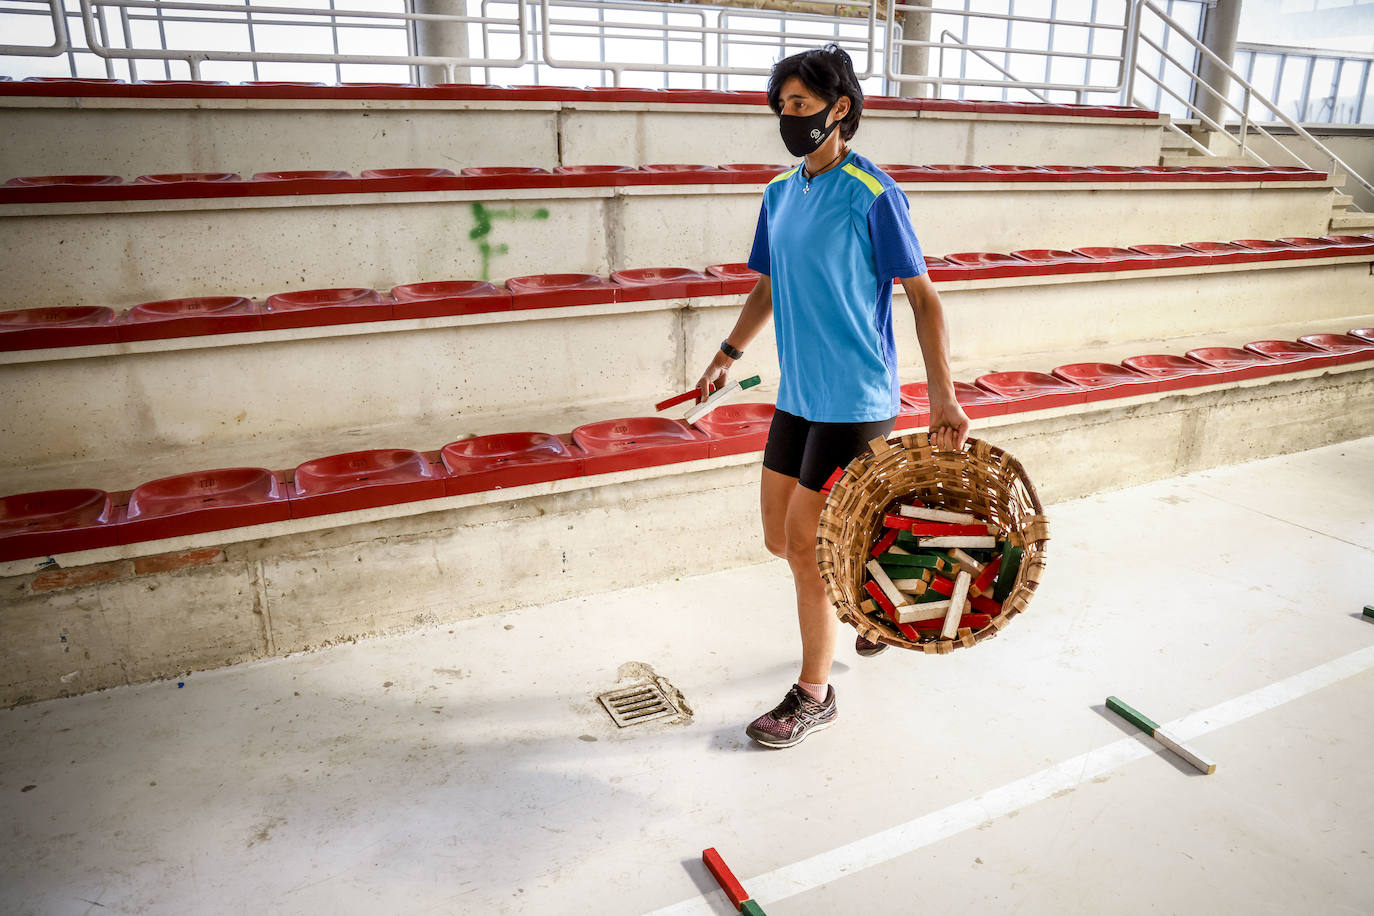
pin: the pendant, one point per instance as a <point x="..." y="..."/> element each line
<point x="807" y="188"/>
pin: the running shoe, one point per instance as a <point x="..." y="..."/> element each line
<point x="867" y="648"/>
<point x="797" y="716"/>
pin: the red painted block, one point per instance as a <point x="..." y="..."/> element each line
<point x="203" y="501"/>
<point x="985" y="605"/>
<point x="541" y="291"/>
<point x="64" y="326"/>
<point x="724" y="877"/>
<point x="889" y="610"/>
<point x="886" y="541"/>
<point x="734" y="278"/>
<point x="315" y="307"/>
<point x="442" y="298"/>
<point x="1106" y="380"/>
<point x="983" y="583"/>
<point x="663" y="283"/>
<point x="1032" y="390"/>
<point x="692" y="394"/>
<point x="833" y="479"/>
<point x="191" y="317"/>
<point x="637" y="442"/>
<point x="362" y="480"/>
<point x="925" y="529"/>
<point x="508" y="460"/>
<point x="56" y="521"/>
<point x="972" y="621"/>
<point x="737" y="428"/>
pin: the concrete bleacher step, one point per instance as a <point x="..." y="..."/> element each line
<point x="285" y="587"/>
<point x="248" y="129"/>
<point x="254" y="391"/>
<point x="1352" y="222"/>
<point x="118" y="254"/>
<point x="1195" y="158"/>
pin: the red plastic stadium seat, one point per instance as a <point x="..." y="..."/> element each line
<point x="1351" y="244"/>
<point x="373" y="180"/>
<point x="510" y="177"/>
<point x="190" y="318"/>
<point x="508" y="460"/>
<point x="1115" y="258"/>
<point x="1296" y="355"/>
<point x="1171" y="372"/>
<point x="1317" y="248"/>
<point x="1171" y="255"/>
<point x="1233" y="364"/>
<point x="737" y="428"/>
<point x="448" y="297"/>
<point x="541" y="291"/>
<point x="1363" y="333"/>
<point x="685" y="173"/>
<point x="982" y="265"/>
<point x="1341" y="344"/>
<point x="183" y="177"/>
<point x="735" y="278"/>
<point x="663" y="283"/>
<point x="1022" y="173"/>
<point x="1106" y="380"/>
<point x="751" y="172"/>
<point x="1266" y="245"/>
<point x="55" y="521"/>
<point x="597" y="176"/>
<point x="634" y="442"/>
<point x="203" y="501"/>
<point x="49" y="181"/>
<point x="1056" y="260"/>
<point x="302" y="175"/>
<point x="316" y="307"/>
<point x="977" y="402"/>
<point x="363" y="480"/>
<point x="65" y="326"/>
<point x="1032" y="390"/>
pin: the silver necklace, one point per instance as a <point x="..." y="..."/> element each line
<point x="809" y="175"/>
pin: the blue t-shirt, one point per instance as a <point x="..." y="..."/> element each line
<point x="832" y="252"/>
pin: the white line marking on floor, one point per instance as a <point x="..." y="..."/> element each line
<point x="897" y="841"/>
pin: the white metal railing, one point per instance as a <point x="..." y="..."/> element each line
<point x="1343" y="94"/>
<point x="1249" y="97"/>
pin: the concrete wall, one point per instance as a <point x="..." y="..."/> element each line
<point x="131" y="137"/>
<point x="63" y="632"/>
<point x="121" y="254"/>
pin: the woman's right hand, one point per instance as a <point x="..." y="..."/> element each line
<point x="715" y="375"/>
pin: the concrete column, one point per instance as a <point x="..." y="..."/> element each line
<point x="442" y="39"/>
<point x="1219" y="35"/>
<point x="915" y="27"/>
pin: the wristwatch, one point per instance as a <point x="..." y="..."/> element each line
<point x="730" y="351"/>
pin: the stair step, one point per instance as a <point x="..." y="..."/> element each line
<point x="1359" y="222"/>
<point x="1341" y="201"/>
<point x="1205" y="160"/>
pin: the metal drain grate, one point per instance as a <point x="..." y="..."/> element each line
<point x="637" y="704"/>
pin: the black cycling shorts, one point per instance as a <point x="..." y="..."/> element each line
<point x="812" y="451"/>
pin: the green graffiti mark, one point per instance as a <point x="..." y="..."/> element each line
<point x="482" y="218"/>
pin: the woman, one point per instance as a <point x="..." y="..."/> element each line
<point x="832" y="234"/>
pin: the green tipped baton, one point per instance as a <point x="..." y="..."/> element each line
<point x="1154" y="731"/>
<point x="1369" y="610"/>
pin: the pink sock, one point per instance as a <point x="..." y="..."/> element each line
<point x="817" y="691"/>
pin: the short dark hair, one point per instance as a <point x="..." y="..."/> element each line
<point x="827" y="73"/>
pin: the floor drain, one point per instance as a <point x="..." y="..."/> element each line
<point x="637" y="704"/>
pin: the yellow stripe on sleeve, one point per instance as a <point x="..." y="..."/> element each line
<point x="869" y="181"/>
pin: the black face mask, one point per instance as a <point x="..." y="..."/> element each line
<point x="804" y="134"/>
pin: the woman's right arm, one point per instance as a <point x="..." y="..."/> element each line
<point x="758" y="309"/>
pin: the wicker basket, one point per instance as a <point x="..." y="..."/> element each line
<point x="981" y="479"/>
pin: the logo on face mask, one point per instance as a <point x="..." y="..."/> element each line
<point x="816" y="134"/>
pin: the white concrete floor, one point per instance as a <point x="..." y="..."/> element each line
<point x="466" y="768"/>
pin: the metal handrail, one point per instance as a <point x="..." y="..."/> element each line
<point x="947" y="34"/>
<point x="1250" y="93"/>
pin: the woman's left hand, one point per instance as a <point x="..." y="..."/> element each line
<point x="948" y="423"/>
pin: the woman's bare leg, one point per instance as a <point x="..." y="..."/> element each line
<point x="815" y="614"/>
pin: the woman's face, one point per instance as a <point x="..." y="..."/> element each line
<point x="798" y="100"/>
